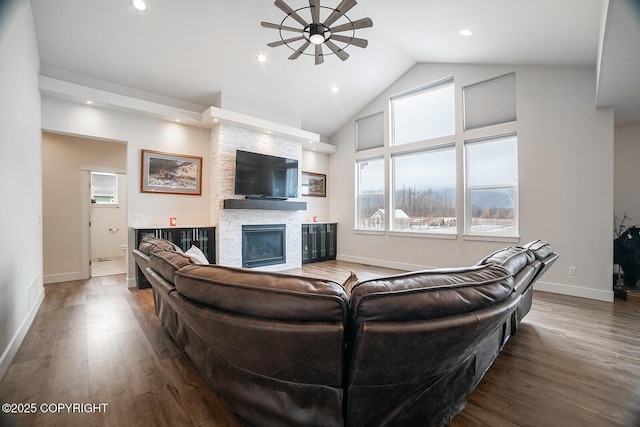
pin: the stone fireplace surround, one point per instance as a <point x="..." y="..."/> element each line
<point x="225" y="140"/>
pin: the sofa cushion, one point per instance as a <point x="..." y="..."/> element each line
<point x="348" y="284"/>
<point x="263" y="294"/>
<point x="540" y="248"/>
<point x="430" y="294"/>
<point x="196" y="255"/>
<point x="149" y="245"/>
<point x="166" y="263"/>
<point x="512" y="258"/>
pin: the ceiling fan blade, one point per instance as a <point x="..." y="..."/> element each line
<point x="287" y="9"/>
<point x="355" y="25"/>
<point x="281" y="27"/>
<point x="339" y="52"/>
<point x="315" y="11"/>
<point x="301" y="49"/>
<point x="350" y="40"/>
<point x="285" y="41"/>
<point x="341" y="9"/>
<point x="319" y="55"/>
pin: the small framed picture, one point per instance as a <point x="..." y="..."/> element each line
<point x="170" y="173"/>
<point x="314" y="184"/>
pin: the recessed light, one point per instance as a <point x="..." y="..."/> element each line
<point x="261" y="58"/>
<point x="141" y="5"/>
<point x="89" y="102"/>
<point x="466" y="32"/>
<point x="178" y="120"/>
<point x="335" y="89"/>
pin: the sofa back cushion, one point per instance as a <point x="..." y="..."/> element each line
<point x="166" y="263"/>
<point x="263" y="294"/>
<point x="540" y="249"/>
<point x="513" y="258"/>
<point x="430" y="294"/>
<point x="149" y="245"/>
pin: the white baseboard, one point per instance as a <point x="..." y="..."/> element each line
<point x="574" y="291"/>
<point x="131" y="282"/>
<point x="382" y="263"/>
<point x="64" y="277"/>
<point x="17" y="339"/>
<point x="557" y="288"/>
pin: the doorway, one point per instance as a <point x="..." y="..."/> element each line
<point x="67" y="163"/>
<point x="108" y="223"/>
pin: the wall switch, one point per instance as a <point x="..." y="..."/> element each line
<point x="572" y="271"/>
<point x="419" y="254"/>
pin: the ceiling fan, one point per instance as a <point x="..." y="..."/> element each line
<point x="319" y="32"/>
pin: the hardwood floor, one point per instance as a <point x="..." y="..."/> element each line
<point x="573" y="362"/>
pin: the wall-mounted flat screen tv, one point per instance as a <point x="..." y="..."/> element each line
<point x="262" y="175"/>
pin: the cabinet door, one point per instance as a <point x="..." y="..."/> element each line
<point x="205" y="239"/>
<point x="306" y="258"/>
<point x="313" y="243"/>
<point x="321" y="231"/>
<point x="141" y="234"/>
<point x="332" y="240"/>
<point x="185" y="238"/>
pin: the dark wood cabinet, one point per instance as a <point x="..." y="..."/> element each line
<point x="319" y="242"/>
<point x="202" y="237"/>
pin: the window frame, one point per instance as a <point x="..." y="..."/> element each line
<point x="357" y="226"/>
<point x="92" y="187"/>
<point x="425" y="149"/>
<point x="468" y="212"/>
<point x="416" y="92"/>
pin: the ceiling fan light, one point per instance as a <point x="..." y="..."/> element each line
<point x="316" y="38"/>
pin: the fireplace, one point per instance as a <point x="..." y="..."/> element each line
<point x="263" y="244"/>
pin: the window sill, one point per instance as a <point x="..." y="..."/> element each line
<point x="105" y="206"/>
<point x="491" y="238"/>
<point x="371" y="232"/>
<point x="424" y="235"/>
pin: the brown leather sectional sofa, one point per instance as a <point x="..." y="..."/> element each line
<point x="289" y="350"/>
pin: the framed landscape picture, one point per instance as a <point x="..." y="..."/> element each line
<point x="171" y="173"/>
<point x="314" y="184"/>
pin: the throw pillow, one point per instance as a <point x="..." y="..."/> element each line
<point x="196" y="255"/>
<point x="350" y="283"/>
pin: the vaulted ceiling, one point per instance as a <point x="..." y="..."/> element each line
<point x="193" y="50"/>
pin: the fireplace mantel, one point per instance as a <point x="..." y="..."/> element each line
<point x="274" y="205"/>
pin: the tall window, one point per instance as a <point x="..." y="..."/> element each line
<point x="492" y="186"/>
<point x="424" y="113"/>
<point x="424" y="190"/>
<point x="370" y="205"/>
<point x="104" y="188"/>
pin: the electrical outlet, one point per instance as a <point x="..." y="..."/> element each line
<point x="572" y="271"/>
<point x="348" y="248"/>
<point x="419" y="254"/>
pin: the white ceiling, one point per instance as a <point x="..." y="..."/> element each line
<point x="192" y="49"/>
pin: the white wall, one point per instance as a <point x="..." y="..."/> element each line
<point x="627" y="172"/>
<point x="315" y="162"/>
<point x="21" y="177"/>
<point x="565" y="170"/>
<point x="139" y="132"/>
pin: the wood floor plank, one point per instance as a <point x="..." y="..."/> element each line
<point x="573" y="362"/>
